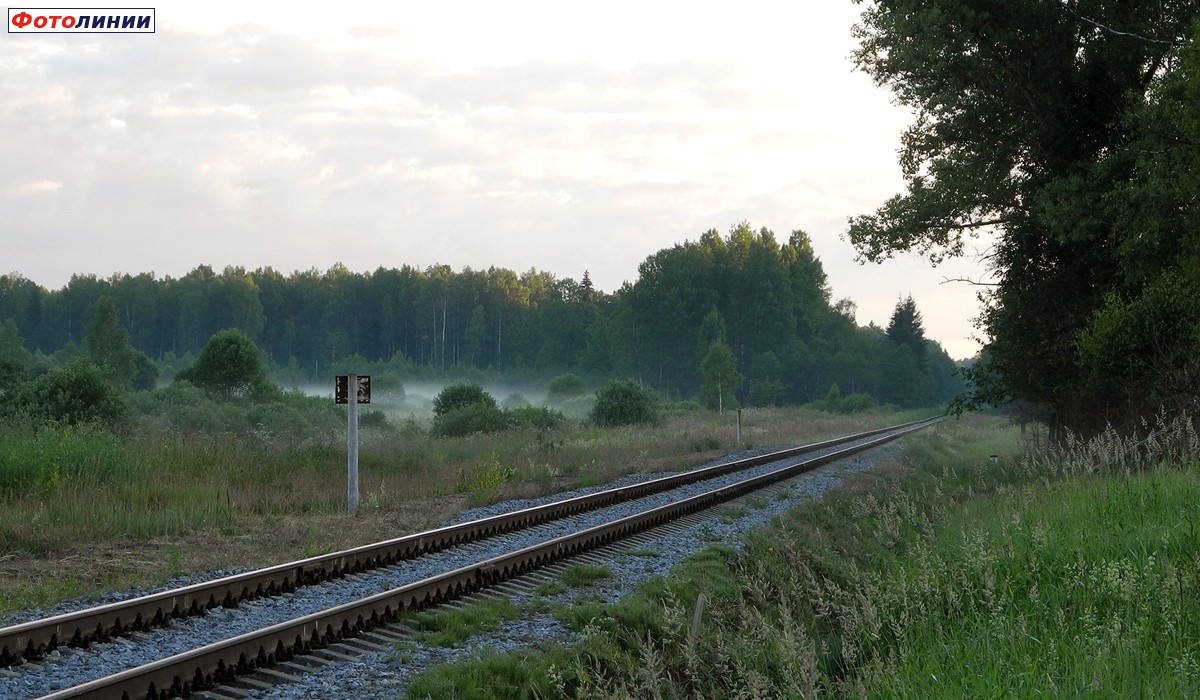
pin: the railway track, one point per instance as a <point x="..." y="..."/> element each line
<point x="222" y="661"/>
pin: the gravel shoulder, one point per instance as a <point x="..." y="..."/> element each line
<point x="384" y="675"/>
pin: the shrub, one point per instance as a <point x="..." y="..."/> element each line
<point x="78" y="393"/>
<point x="539" y="417"/>
<point x="372" y="419"/>
<point x="277" y="418"/>
<point x="515" y="400"/>
<point x="12" y="376"/>
<point x="856" y="403"/>
<point x="231" y="366"/>
<point x="624" y="403"/>
<point x="832" y="401"/>
<point x="674" y="409"/>
<point x="564" y="387"/>
<point x="471" y="418"/>
<point x="461" y="395"/>
<point x="578" y="408"/>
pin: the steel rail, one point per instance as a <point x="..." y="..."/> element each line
<point x="31" y="640"/>
<point x="220" y="662"/>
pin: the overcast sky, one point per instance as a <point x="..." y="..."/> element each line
<point x="547" y="135"/>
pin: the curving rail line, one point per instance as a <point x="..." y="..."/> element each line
<point x="31" y="640"/>
<point x="222" y="661"/>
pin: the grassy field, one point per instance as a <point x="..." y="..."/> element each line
<point x="971" y="568"/>
<point x="84" y="511"/>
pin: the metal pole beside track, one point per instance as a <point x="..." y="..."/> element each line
<point x="352" y="446"/>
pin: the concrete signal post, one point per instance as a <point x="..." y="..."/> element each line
<point x="341" y="394"/>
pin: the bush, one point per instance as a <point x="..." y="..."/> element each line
<point x="12" y="376"/>
<point x="538" y="417"/>
<point x="39" y="458"/>
<point x="624" y="403"/>
<point x="832" y="401"/>
<point x="231" y="366"/>
<point x="856" y="403"/>
<point x="372" y="419"/>
<point x="515" y="400"/>
<point x="190" y="409"/>
<point x="682" y="407"/>
<point x="480" y="417"/>
<point x="78" y="393"/>
<point x="461" y="395"/>
<point x="578" y="408"/>
<point x="277" y="418"/>
<point x="564" y="387"/>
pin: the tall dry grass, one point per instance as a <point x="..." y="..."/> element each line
<point x="246" y="498"/>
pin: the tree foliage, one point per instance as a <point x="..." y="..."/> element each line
<point x="78" y="393"/>
<point x="12" y="346"/>
<point x="231" y="366"/>
<point x="905" y="328"/>
<point x="721" y="378"/>
<point x="624" y="403"/>
<point x="469" y="419"/>
<point x="565" y="387"/>
<point x="107" y="345"/>
<point x="764" y="297"/>
<point x="461" y="395"/>
<point x="465" y="408"/>
<point x="1066" y="130"/>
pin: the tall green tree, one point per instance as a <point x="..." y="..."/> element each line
<point x="721" y="378"/>
<point x="107" y="346"/>
<point x="905" y="328"/>
<point x="1031" y="120"/>
<point x="14" y="362"/>
<point x="12" y="346"/>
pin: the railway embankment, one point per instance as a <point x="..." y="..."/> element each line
<point x="971" y="566"/>
<point x="37" y="640"/>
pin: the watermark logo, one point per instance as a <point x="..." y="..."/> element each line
<point x="81" y="20"/>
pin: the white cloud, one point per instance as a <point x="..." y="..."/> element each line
<point x="37" y="187"/>
<point x="526" y="134"/>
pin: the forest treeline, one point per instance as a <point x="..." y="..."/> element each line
<point x="767" y="302"/>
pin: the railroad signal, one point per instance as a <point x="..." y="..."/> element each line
<point x="341" y="385"/>
<point x="341" y="394"/>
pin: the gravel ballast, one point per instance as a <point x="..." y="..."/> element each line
<point x="379" y="675"/>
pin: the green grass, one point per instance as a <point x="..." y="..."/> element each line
<point x="731" y="514"/>
<point x="550" y="588"/>
<point x="514" y="676"/>
<point x="639" y="552"/>
<point x="946" y="576"/>
<point x="45" y="588"/>
<point x="192" y="473"/>
<point x="40" y="461"/>
<point x="577" y="575"/>
<point x="1089" y="586"/>
<point x="452" y="627"/>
